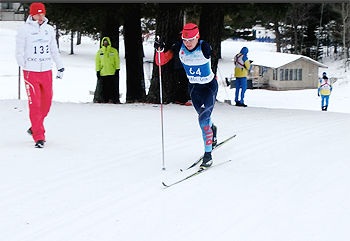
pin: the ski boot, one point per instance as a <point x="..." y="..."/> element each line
<point x="207" y="161"/>
<point x="29" y="131"/>
<point x="39" y="144"/>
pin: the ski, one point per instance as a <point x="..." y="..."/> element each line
<point x="201" y="170"/>
<point x="214" y="148"/>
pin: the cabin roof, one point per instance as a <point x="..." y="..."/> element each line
<point x="276" y="59"/>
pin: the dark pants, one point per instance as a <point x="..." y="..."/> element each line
<point x="109" y="89"/>
<point x="203" y="99"/>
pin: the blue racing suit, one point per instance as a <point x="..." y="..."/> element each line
<point x="203" y="86"/>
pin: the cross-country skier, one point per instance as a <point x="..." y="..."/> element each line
<point x="325" y="87"/>
<point x="194" y="54"/>
<point x="36" y="47"/>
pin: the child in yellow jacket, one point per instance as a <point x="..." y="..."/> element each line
<point x="325" y="87"/>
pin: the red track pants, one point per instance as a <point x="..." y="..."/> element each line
<point x="39" y="90"/>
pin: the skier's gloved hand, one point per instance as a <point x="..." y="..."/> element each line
<point x="60" y="73"/>
<point x="158" y="43"/>
<point x="98" y="74"/>
<point x="116" y="72"/>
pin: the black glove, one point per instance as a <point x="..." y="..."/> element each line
<point x="98" y="74"/>
<point x="116" y="72"/>
<point x="158" y="43"/>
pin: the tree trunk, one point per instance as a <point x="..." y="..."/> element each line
<point x="134" y="54"/>
<point x="78" y="37"/>
<point x="278" y="36"/>
<point x="98" y="92"/>
<point x="345" y="17"/>
<point x="169" y="24"/>
<point x="58" y="37"/>
<point x="109" y="25"/>
<point x="71" y="42"/>
<point x="295" y="31"/>
<point x="210" y="29"/>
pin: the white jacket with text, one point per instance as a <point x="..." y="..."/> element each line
<point x="36" y="46"/>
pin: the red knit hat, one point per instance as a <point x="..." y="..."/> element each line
<point x="190" y="30"/>
<point x="37" y="8"/>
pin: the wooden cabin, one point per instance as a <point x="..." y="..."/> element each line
<point x="281" y="71"/>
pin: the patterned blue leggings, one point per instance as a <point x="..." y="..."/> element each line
<point x="203" y="99"/>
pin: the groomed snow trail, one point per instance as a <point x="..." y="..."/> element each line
<point x="99" y="175"/>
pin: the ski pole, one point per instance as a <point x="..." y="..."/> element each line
<point x="161" y="104"/>
<point x="19" y="82"/>
<point x="228" y="98"/>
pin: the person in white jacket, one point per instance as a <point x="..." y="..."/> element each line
<point x="36" y="47"/>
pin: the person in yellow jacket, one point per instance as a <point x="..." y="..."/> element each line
<point x="242" y="66"/>
<point x="107" y="69"/>
<point x="324" y="89"/>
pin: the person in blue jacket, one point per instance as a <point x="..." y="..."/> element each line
<point x="195" y="57"/>
<point x="242" y="66"/>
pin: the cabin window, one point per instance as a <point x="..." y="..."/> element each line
<point x="300" y="76"/>
<point x="286" y="74"/>
<point x="261" y="71"/>
<point x="274" y="73"/>
<point x="295" y="74"/>
<point x="290" y="74"/>
<point x="281" y="74"/>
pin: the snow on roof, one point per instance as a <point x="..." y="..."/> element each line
<point x="276" y="59"/>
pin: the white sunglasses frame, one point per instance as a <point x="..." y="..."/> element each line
<point x="190" y="39"/>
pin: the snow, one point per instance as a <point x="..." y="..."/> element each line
<point x="276" y="60"/>
<point x="99" y="175"/>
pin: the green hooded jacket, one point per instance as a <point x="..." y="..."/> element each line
<point x="107" y="59"/>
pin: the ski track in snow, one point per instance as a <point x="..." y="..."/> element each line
<point x="99" y="175"/>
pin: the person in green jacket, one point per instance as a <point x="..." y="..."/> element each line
<point x="107" y="69"/>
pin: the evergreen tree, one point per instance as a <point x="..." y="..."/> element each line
<point x="109" y="27"/>
<point x="210" y="28"/>
<point x="133" y="53"/>
<point x="169" y="23"/>
<point x="239" y="18"/>
<point x="271" y="16"/>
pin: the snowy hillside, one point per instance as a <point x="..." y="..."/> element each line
<point x="99" y="175"/>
